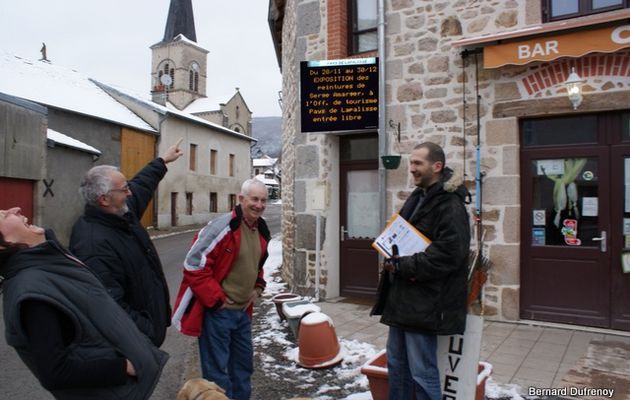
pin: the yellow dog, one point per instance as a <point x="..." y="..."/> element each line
<point x="201" y="389"/>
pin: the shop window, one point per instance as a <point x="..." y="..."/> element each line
<point x="560" y="131"/>
<point x="363" y="25"/>
<point x="359" y="147"/>
<point x="554" y="10"/>
<point x="625" y="126"/>
<point x="565" y="201"/>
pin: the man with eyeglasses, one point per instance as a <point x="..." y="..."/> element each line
<point x="110" y="239"/>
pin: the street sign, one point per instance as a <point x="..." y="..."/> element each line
<point x="339" y="95"/>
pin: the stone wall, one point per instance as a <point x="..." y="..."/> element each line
<point x="292" y="52"/>
<point x="432" y="92"/>
<point x="308" y="160"/>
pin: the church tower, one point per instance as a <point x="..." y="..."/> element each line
<point x="179" y="64"/>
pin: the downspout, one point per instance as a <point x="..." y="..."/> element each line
<point x="156" y="195"/>
<point x="382" y="134"/>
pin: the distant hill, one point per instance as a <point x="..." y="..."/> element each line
<point x="268" y="131"/>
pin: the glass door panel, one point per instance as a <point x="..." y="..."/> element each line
<point x="362" y="204"/>
<point x="565" y="202"/>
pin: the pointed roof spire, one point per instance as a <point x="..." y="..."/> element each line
<point x="180" y="21"/>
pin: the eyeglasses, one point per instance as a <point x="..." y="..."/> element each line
<point x="123" y="189"/>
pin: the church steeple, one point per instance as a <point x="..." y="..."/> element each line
<point x="179" y="64"/>
<point x="180" y="21"/>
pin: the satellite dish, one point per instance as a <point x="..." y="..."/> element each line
<point x="166" y="80"/>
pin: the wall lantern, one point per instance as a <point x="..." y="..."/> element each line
<point x="574" y="88"/>
<point x="392" y="161"/>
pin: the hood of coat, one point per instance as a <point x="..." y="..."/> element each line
<point x="30" y="256"/>
<point x="453" y="182"/>
<point x="237" y="218"/>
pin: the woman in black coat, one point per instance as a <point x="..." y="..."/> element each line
<point x="70" y="333"/>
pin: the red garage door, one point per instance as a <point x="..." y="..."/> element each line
<point x="17" y="192"/>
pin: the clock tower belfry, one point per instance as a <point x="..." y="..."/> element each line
<point x="179" y="64"/>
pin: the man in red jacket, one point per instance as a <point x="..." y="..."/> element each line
<point x="223" y="278"/>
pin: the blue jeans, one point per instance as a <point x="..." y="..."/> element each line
<point x="412" y="366"/>
<point x="226" y="351"/>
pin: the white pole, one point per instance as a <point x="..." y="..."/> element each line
<point x="382" y="133"/>
<point x="317" y="266"/>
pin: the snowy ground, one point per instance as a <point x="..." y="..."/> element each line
<point x="278" y="376"/>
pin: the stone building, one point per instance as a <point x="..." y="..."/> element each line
<point x="82" y="126"/>
<point x="216" y="135"/>
<point x="179" y="68"/>
<point x="554" y="170"/>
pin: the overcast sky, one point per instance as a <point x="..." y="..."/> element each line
<point x="110" y="40"/>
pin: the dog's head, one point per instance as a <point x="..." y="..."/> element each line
<point x="201" y="389"/>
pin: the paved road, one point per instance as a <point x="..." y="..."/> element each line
<point x="17" y="382"/>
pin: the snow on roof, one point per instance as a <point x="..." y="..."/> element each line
<point x="169" y="109"/>
<point x="204" y="104"/>
<point x="266" y="181"/>
<point x="63" y="88"/>
<point x="264" y="162"/>
<point x="181" y="37"/>
<point x="68" y="141"/>
<point x="209" y="104"/>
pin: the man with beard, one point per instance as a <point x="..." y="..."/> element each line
<point x="110" y="239"/>
<point x="424" y="294"/>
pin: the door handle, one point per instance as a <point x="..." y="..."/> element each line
<point x="602" y="241"/>
<point x="342" y="233"/>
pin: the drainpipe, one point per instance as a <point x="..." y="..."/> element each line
<point x="156" y="195"/>
<point x="382" y="134"/>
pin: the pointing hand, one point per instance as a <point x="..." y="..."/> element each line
<point x="173" y="152"/>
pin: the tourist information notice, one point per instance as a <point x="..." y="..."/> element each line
<point x="339" y="95"/>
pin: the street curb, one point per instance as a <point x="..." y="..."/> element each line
<point x="172" y="233"/>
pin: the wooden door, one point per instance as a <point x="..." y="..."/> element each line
<point x="359" y="215"/>
<point x="575" y="248"/>
<point x="17" y="193"/>
<point x="136" y="150"/>
<point x="565" y="274"/>
<point x="620" y="227"/>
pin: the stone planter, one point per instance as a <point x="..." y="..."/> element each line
<point x="483" y="373"/>
<point x="376" y="371"/>
<point x="294" y="311"/>
<point x="281" y="298"/>
<point x="318" y="344"/>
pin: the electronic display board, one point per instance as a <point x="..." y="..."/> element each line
<point x="339" y="95"/>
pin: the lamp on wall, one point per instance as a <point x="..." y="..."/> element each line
<point x="574" y="88"/>
<point x="392" y="161"/>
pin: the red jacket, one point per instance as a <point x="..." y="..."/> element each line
<point x="207" y="263"/>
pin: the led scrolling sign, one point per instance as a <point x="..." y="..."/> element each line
<point x="339" y="95"/>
